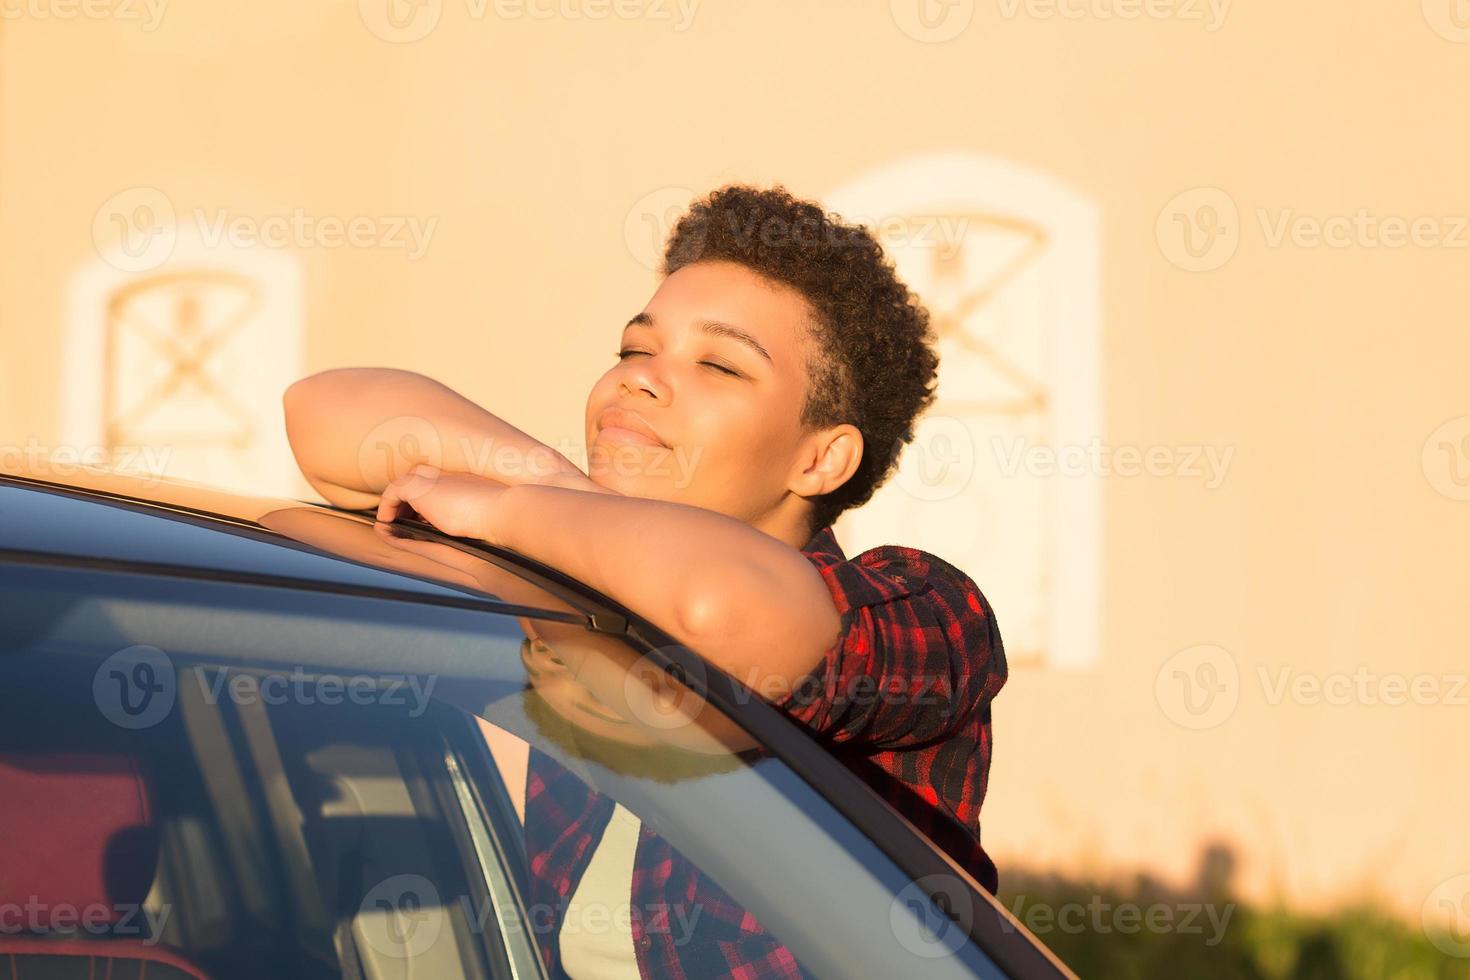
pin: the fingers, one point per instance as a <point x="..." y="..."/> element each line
<point x="390" y="505"/>
<point x="387" y="507"/>
<point x="398" y="495"/>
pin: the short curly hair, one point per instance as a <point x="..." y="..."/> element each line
<point x="873" y="363"/>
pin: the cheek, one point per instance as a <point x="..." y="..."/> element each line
<point x="741" y="445"/>
<point x="721" y="429"/>
<point x="773" y="424"/>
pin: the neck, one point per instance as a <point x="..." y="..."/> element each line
<point x="790" y="521"/>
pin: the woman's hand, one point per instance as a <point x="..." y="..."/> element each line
<point x="459" y="504"/>
<point x="463" y="504"/>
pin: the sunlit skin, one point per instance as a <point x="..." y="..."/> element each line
<point x="736" y="442"/>
<point x="693" y="534"/>
<point x="693" y="548"/>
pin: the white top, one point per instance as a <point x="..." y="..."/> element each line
<point x="596" y="933"/>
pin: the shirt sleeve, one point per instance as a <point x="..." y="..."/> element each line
<point x="917" y="654"/>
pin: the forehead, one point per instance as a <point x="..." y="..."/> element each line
<point x="775" y="314"/>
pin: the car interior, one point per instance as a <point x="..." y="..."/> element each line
<point x="235" y="839"/>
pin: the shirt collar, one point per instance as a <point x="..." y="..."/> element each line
<point x="824" y="542"/>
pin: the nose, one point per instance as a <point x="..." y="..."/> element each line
<point x="641" y="375"/>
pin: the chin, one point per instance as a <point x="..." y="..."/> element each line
<point x="621" y="464"/>
<point x="649" y="488"/>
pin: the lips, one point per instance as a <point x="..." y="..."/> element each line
<point x="625" y="426"/>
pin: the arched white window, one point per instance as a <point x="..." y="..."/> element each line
<point x="177" y="354"/>
<point x="1007" y="261"/>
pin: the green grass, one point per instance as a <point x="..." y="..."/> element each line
<point x="1104" y="930"/>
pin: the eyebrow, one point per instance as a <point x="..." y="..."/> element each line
<point x="715" y="328"/>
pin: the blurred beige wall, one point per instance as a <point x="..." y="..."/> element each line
<point x="1336" y="545"/>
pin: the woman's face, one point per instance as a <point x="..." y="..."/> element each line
<point x="603" y="686"/>
<point x="557" y="683"/>
<point x="715" y="366"/>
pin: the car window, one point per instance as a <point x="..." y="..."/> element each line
<point x="338" y="786"/>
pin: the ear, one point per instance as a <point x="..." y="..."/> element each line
<point x="828" y="459"/>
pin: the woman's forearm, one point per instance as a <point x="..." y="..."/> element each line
<point x="355" y="430"/>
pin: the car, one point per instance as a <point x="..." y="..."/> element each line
<point x="247" y="737"/>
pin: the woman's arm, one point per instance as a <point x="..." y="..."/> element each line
<point x="355" y="430"/>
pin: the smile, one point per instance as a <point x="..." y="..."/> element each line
<point x="615" y="433"/>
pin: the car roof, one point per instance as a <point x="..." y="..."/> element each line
<point x="105" y="517"/>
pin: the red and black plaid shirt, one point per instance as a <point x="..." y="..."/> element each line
<point x="902" y="698"/>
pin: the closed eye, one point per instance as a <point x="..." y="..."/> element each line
<point x="624" y="354"/>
